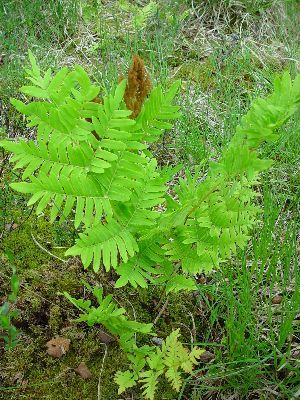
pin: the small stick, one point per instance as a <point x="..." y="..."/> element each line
<point x="102" y="366"/>
<point x="47" y="251"/>
<point x="161" y="311"/>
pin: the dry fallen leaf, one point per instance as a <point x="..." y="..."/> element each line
<point x="18" y="378"/>
<point x="201" y="279"/>
<point x="83" y="371"/>
<point x="58" y="347"/>
<point x="277" y="299"/>
<point x="207" y="356"/>
<point x="105" y="337"/>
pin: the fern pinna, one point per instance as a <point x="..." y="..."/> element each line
<point x="91" y="163"/>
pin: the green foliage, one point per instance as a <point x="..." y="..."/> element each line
<point x="141" y="15"/>
<point x="8" y="332"/>
<point x="108" y="314"/>
<point x="102" y="174"/>
<point x="148" y="363"/>
<point x="214" y="217"/>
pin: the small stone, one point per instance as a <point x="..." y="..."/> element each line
<point x="277" y="299"/>
<point x="8" y="227"/>
<point x="157" y="341"/>
<point x="58" y="347"/>
<point x="83" y="371"/>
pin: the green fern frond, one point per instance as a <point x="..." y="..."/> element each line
<point x="266" y="115"/>
<point x="126" y="173"/>
<point x="156" y="110"/>
<point x="125" y="380"/>
<point x="176" y="357"/>
<point x="111" y="122"/>
<point x="180" y="282"/>
<point x="149" y="265"/>
<point x="143" y="14"/>
<point x="104" y="243"/>
<point x="108" y="314"/>
<point x="191" y="262"/>
<point x="214" y="217"/>
<point x="138" y="212"/>
<point x="67" y="94"/>
<point x="65" y="191"/>
<point x="56" y="157"/>
<point x="150" y="380"/>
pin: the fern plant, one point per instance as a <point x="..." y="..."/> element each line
<point x="147" y="363"/>
<point x="91" y="162"/>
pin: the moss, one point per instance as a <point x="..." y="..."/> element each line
<point x="45" y="313"/>
<point x="48" y="378"/>
<point x="199" y="72"/>
<point x="21" y="244"/>
<point x="55" y="320"/>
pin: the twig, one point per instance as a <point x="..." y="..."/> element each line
<point x="101" y="370"/>
<point x="45" y="250"/>
<point x="194" y="330"/>
<point x="161" y="311"/>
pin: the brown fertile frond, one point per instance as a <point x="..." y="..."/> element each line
<point x="138" y="86"/>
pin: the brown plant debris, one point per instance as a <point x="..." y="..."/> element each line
<point x="58" y="347"/>
<point x="277" y="299"/>
<point x="83" y="371"/>
<point x="105" y="338"/>
<point x="207" y="356"/>
<point x="138" y="86"/>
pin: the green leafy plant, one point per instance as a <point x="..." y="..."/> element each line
<point x="91" y="162"/>
<point x="103" y="176"/>
<point x="147" y="363"/>
<point x="8" y="332"/>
